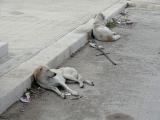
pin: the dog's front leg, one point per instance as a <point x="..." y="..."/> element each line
<point x="55" y="89"/>
<point x="69" y="89"/>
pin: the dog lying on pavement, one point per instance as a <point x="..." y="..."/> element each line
<point x="51" y="78"/>
<point x="101" y="32"/>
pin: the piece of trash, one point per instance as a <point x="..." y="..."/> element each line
<point x="67" y="93"/>
<point x="25" y="98"/>
<point x="94" y="46"/>
<point x="80" y="96"/>
<point x="4" y="117"/>
<point x="123" y="23"/>
<point x="158" y="52"/>
<point x="101" y="47"/>
<point x="126" y="11"/>
<point x="119" y="23"/>
<point x="76" y="98"/>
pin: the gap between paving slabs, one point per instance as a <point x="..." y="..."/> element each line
<point x="16" y="82"/>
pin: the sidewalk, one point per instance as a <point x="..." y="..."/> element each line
<point x="157" y="2"/>
<point x="30" y="26"/>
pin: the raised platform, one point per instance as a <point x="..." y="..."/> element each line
<point x="3" y="49"/>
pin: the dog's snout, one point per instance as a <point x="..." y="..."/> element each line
<point x="55" y="74"/>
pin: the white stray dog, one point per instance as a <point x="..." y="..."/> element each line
<point x="101" y="32"/>
<point x="51" y="78"/>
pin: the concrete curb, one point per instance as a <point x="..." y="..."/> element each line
<point x="144" y="5"/>
<point x="3" y="49"/>
<point x="15" y="82"/>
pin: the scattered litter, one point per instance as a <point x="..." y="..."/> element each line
<point x="4" y="117"/>
<point x="123" y="23"/>
<point x="67" y="93"/>
<point x="101" y="47"/>
<point x="119" y="23"/>
<point x="25" y="98"/>
<point x="76" y="98"/>
<point x="124" y="12"/>
<point x="94" y="46"/>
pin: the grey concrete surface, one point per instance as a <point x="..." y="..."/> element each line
<point x="15" y="82"/>
<point x="30" y="26"/>
<point x="131" y="87"/>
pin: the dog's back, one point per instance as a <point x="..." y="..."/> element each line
<point x="101" y="32"/>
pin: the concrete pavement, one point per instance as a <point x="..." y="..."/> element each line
<point x="42" y="32"/>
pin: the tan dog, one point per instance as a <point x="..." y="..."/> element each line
<point x="51" y="78"/>
<point x="101" y="32"/>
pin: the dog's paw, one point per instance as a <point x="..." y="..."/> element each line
<point x="81" y="85"/>
<point x="74" y="93"/>
<point x="92" y="84"/>
<point x="63" y="96"/>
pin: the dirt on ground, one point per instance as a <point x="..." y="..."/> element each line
<point x="121" y="92"/>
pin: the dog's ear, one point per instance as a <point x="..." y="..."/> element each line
<point x="37" y="72"/>
<point x="95" y="16"/>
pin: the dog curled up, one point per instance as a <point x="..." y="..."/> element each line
<point x="101" y="32"/>
<point x="52" y="78"/>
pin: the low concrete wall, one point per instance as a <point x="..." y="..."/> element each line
<point x="3" y="49"/>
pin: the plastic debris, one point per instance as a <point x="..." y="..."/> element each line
<point x="119" y="23"/>
<point x="25" y="98"/>
<point x="94" y="46"/>
<point x="126" y="11"/>
<point x="76" y="98"/>
<point x="123" y="23"/>
<point x="67" y="93"/>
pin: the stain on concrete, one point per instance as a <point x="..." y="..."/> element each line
<point x="119" y="116"/>
<point x="16" y="13"/>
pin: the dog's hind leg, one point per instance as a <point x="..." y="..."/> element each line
<point x="55" y="89"/>
<point x="79" y="80"/>
<point x="69" y="89"/>
<point x="85" y="80"/>
<point x="116" y="37"/>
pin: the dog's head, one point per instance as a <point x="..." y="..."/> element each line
<point x="99" y="16"/>
<point x="43" y="71"/>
